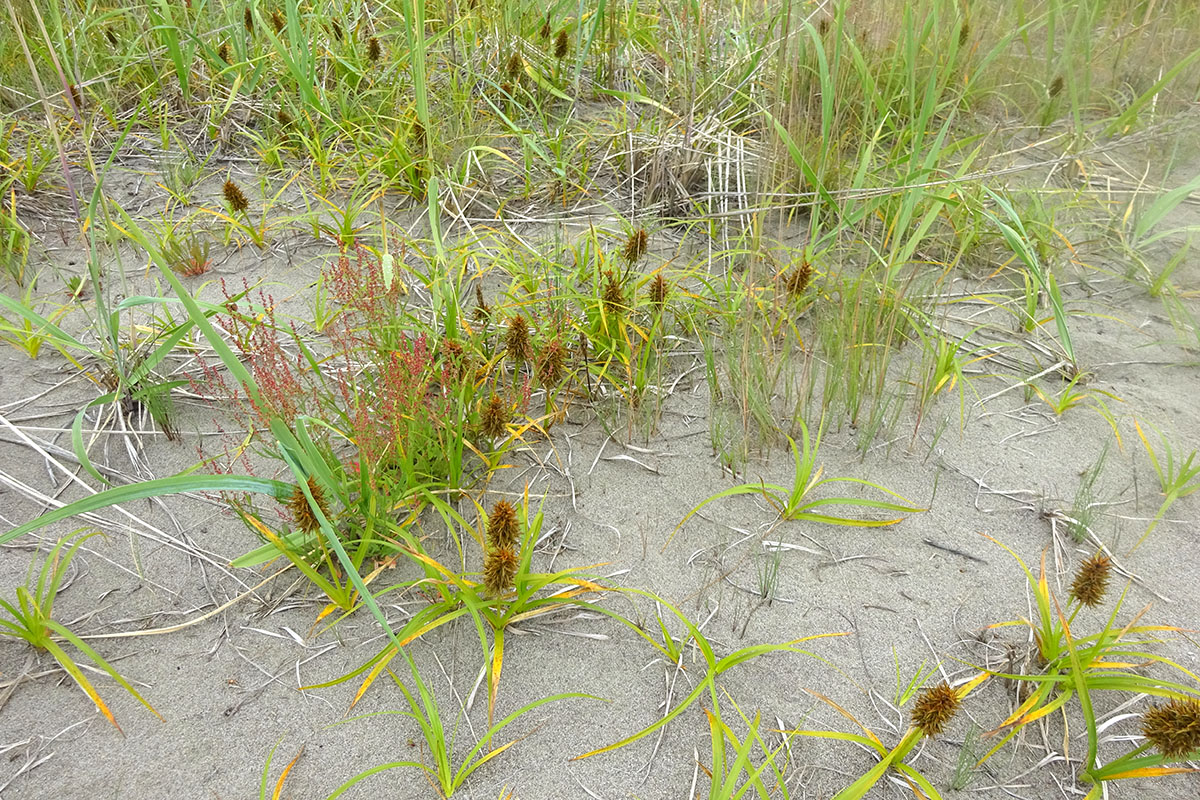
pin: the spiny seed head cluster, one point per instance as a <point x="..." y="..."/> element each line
<point x="517" y="339"/>
<point x="454" y="359"/>
<point x="1091" y="581"/>
<point x="248" y="20"/>
<point x="493" y="421"/>
<point x="636" y="245"/>
<point x="1174" y="727"/>
<point x="514" y="67"/>
<point x="223" y="52"/>
<point x="285" y="119"/>
<point x="234" y="197"/>
<point x="503" y="530"/>
<point x="614" y="294"/>
<point x="562" y="45"/>
<point x="374" y="50"/>
<point x="934" y="708"/>
<point x="1056" y="86"/>
<point x="659" y="291"/>
<point x="499" y="570"/>
<point x="336" y="27"/>
<point x="550" y="362"/>
<point x="278" y="22"/>
<point x="964" y="32"/>
<point x="798" y="279"/>
<point x="302" y="512"/>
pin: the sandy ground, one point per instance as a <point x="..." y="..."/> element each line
<point x="919" y="593"/>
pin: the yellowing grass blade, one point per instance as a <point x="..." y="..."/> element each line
<point x="1149" y="772"/>
<point x="275" y="795"/>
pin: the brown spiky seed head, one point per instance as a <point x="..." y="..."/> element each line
<point x="1091" y="581"/>
<point x="503" y="529"/>
<point x="233" y="195"/>
<point x="517" y="339"/>
<point x="419" y="136"/>
<point x="493" y="421"/>
<point x="659" y="291"/>
<point x="562" y="44"/>
<point x="1056" y="86"/>
<point x="636" y="245"/>
<point x="514" y="67"/>
<point x="798" y="279"/>
<point x="1174" y="728"/>
<point x="302" y="512"/>
<point x="248" y="20"/>
<point x="278" y="22"/>
<point x="454" y="360"/>
<point x="964" y="32"/>
<point x="550" y="361"/>
<point x="614" y="294"/>
<point x="374" y="51"/>
<point x="483" y="312"/>
<point x="499" y="570"/>
<point x="934" y="708"/>
<point x="285" y="119"/>
<point x="223" y="52"/>
<point x="111" y="35"/>
<point x="336" y="27"/>
<point x="546" y="29"/>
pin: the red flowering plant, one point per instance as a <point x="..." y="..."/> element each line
<point x="395" y="416"/>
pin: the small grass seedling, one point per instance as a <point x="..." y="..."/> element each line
<point x="797" y="502"/>
<point x="31" y="620"/>
<point x="439" y="742"/>
<point x="1176" y="478"/>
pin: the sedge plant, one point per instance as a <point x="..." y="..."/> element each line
<point x="1075" y="666"/>
<point x="798" y="502"/>
<point x="31" y="620"/>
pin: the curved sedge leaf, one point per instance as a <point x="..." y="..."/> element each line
<point x="157" y="487"/>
